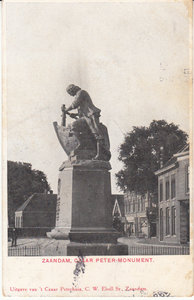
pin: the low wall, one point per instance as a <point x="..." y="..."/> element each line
<point x="30" y="231"/>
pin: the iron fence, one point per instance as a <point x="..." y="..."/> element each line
<point x="158" y="250"/>
<point x="132" y="250"/>
<point x="24" y="251"/>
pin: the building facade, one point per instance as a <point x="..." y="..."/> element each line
<point x="37" y="214"/>
<point x="140" y="214"/>
<point x="173" y="199"/>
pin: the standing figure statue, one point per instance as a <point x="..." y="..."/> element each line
<point x="87" y="111"/>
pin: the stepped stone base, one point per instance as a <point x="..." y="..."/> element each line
<point x="85" y="236"/>
<point x="81" y="249"/>
<point x="58" y="234"/>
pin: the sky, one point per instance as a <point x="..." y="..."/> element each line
<point x="132" y="58"/>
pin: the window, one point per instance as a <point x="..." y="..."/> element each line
<point x="133" y="205"/>
<point x="138" y="204"/>
<point x="143" y="203"/>
<point x="18" y="222"/>
<point x="173" y="187"/>
<point x="126" y="207"/>
<point x="161" y="224"/>
<point x="173" y="220"/>
<point x="187" y="179"/>
<point x="167" y="189"/>
<point x="161" y="191"/>
<point x="167" y="221"/>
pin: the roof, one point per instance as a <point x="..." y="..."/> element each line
<point x="120" y="200"/>
<point x="173" y="160"/>
<point x="184" y="149"/>
<point x="23" y="206"/>
<point x="39" y="201"/>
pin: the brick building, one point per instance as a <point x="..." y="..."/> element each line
<point x="140" y="214"/>
<point x="173" y="198"/>
<point x="37" y="214"/>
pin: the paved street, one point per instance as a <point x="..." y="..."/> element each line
<point x="144" y="242"/>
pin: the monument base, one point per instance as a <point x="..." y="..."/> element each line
<point x="85" y="236"/>
<point x="81" y="249"/>
<point x="67" y="248"/>
<point x="84" y="209"/>
<point x="58" y="234"/>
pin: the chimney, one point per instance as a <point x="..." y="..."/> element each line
<point x="51" y="192"/>
<point x="161" y="156"/>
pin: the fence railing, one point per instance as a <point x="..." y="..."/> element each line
<point x="132" y="250"/>
<point x="158" y="250"/>
<point x="24" y="251"/>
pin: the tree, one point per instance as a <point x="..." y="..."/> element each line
<point x="22" y="183"/>
<point x="141" y="151"/>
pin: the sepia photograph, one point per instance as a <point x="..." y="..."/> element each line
<point x="97" y="130"/>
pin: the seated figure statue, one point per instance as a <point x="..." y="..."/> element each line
<point x="91" y="134"/>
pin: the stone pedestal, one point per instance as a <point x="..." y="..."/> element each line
<point x="84" y="208"/>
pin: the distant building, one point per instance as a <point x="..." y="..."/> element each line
<point x="140" y="214"/>
<point x="38" y="211"/>
<point x="118" y="212"/>
<point x="173" y="198"/>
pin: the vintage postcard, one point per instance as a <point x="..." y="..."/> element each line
<point x="97" y="148"/>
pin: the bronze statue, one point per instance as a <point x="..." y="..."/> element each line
<point x="86" y="111"/>
<point x="86" y="137"/>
